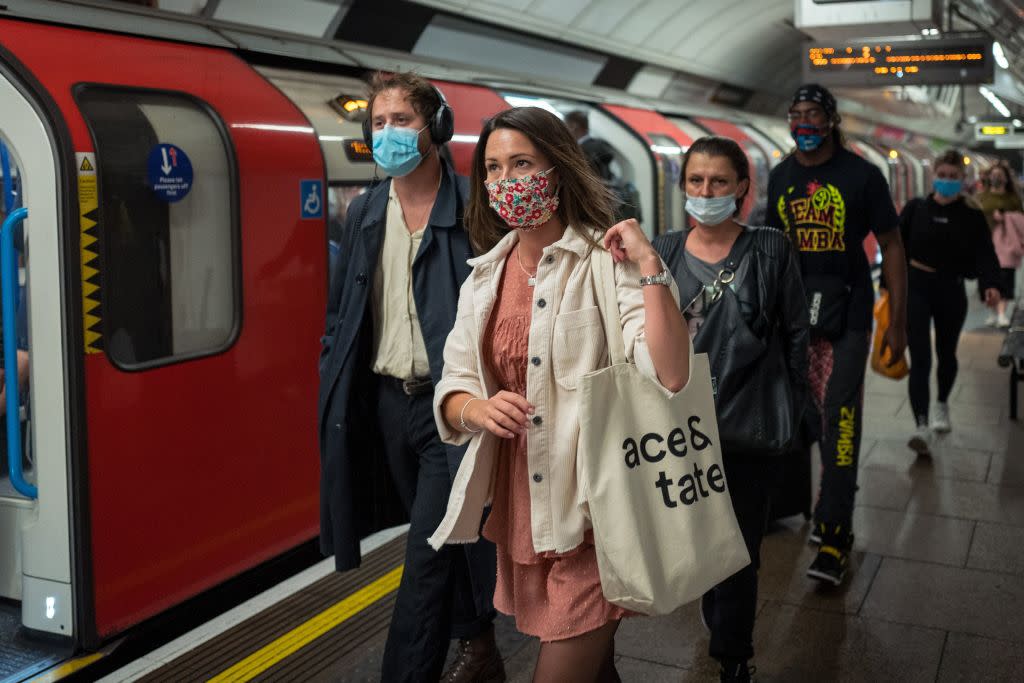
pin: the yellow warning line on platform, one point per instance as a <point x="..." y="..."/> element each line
<point x="303" y="635"/>
<point x="67" y="668"/>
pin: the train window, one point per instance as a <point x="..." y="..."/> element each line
<point x="167" y="226"/>
<point x="670" y="161"/>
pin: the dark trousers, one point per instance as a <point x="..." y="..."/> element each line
<point x="751" y="482"/>
<point x="436" y="585"/>
<point x="942" y="299"/>
<point x="836" y="378"/>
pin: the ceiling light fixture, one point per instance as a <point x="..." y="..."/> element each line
<point x="994" y="101"/>
<point x="1001" y="60"/>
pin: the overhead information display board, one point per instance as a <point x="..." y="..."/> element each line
<point x="960" y="59"/>
<point x="997" y="130"/>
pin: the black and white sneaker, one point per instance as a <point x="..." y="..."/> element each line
<point x="940" y="418"/>
<point x="816" y="533"/>
<point x="833" y="557"/>
<point x="737" y="672"/>
<point x="921" y="441"/>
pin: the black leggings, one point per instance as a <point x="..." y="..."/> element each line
<point x="942" y="298"/>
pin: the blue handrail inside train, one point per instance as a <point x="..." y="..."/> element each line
<point x="8" y="281"/>
<point x="5" y="170"/>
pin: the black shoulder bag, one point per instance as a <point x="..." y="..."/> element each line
<point x="753" y="398"/>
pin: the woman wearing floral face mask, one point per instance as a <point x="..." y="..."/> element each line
<point x="528" y="328"/>
<point x="946" y="240"/>
<point x="743" y="299"/>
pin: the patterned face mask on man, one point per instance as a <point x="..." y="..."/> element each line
<point x="808" y="138"/>
<point x="523" y="203"/>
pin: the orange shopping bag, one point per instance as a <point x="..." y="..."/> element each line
<point x="880" y="361"/>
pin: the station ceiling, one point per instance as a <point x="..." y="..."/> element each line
<point x="743" y="53"/>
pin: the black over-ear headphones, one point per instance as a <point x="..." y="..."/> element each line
<point x="441" y="126"/>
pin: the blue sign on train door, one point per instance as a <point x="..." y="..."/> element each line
<point x="311" y="198"/>
<point x="170" y="172"/>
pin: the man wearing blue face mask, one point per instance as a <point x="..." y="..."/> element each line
<point x="946" y="241"/>
<point x="392" y="302"/>
<point x="827" y="200"/>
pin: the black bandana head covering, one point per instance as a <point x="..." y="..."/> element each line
<point x="812" y="92"/>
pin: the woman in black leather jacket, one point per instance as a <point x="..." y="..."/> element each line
<point x="743" y="299"/>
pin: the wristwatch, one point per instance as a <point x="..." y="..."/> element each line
<point x="662" y="278"/>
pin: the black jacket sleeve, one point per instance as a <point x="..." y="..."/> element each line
<point x="771" y="216"/>
<point x="906" y="220"/>
<point x="794" y="324"/>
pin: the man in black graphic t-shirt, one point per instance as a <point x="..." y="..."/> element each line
<point x="827" y="200"/>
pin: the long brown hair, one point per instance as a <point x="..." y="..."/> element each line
<point x="1011" y="180"/>
<point x="585" y="203"/>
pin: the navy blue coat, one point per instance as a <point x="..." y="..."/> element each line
<point x="356" y="494"/>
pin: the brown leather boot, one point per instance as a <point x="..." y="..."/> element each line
<point x="477" y="661"/>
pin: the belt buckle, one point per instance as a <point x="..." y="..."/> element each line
<point x="414" y="387"/>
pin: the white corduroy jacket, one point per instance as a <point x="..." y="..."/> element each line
<point x="567" y="340"/>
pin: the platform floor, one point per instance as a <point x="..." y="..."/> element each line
<point x="935" y="593"/>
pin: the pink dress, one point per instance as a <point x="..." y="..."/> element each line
<point x="552" y="596"/>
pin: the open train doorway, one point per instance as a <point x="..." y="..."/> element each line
<point x="37" y="592"/>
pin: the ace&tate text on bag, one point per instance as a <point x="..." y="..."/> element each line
<point x="691" y="486"/>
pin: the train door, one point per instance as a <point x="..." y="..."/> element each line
<point x="668" y="144"/>
<point x="770" y="148"/>
<point x="632" y="163"/>
<point x="203" y="284"/>
<point x="38" y="590"/>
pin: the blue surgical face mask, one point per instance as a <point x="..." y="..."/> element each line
<point x="947" y="188"/>
<point x="711" y="211"/>
<point x="397" y="150"/>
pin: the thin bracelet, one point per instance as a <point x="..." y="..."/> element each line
<point x="462" y="417"/>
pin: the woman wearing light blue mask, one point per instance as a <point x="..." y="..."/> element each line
<point x="946" y="240"/>
<point x="743" y="300"/>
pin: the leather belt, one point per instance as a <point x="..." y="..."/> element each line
<point x="417" y="386"/>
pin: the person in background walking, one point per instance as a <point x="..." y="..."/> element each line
<point x="1001" y="197"/>
<point x="827" y="199"/>
<point x="946" y="240"/>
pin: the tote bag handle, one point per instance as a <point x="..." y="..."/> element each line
<point x="603" y="270"/>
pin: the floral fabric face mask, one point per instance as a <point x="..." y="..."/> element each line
<point x="523" y="203"/>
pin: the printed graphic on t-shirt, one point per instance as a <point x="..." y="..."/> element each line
<point x="816" y="220"/>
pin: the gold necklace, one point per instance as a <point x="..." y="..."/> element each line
<point x="531" y="278"/>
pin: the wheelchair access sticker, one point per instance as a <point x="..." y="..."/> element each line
<point x="311" y="198"/>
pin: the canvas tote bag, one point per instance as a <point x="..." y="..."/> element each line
<point x="651" y="477"/>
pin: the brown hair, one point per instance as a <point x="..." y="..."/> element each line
<point x="715" y="146"/>
<point x="1011" y="180"/>
<point x="585" y="203"/>
<point x="421" y="93"/>
<point x="951" y="157"/>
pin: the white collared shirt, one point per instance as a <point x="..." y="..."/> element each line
<point x="398" y="346"/>
<point x="567" y="340"/>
